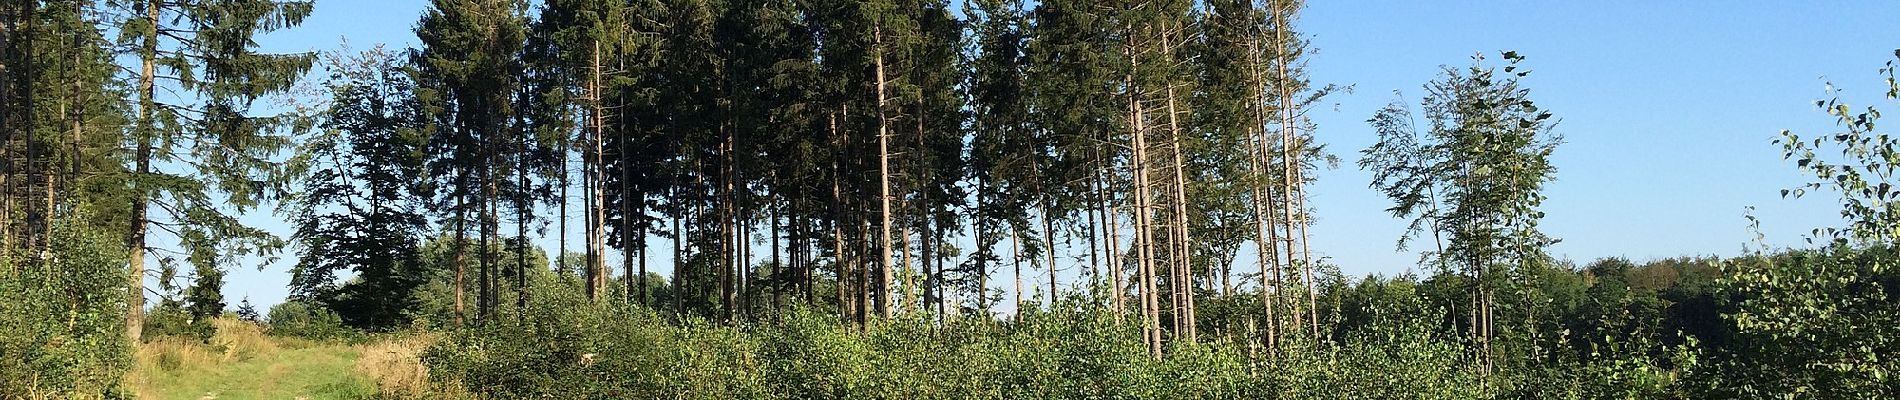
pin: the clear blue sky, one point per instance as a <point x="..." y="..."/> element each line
<point x="1668" y="109"/>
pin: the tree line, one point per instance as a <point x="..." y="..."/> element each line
<point x="855" y="143"/>
<point x="900" y="183"/>
<point x="830" y="153"/>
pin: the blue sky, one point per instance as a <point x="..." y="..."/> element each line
<point x="1668" y="109"/>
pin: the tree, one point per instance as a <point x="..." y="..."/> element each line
<point x="204" y="154"/>
<point x="999" y="105"/>
<point x="360" y="211"/>
<point x="1474" y="175"/>
<point x="466" y="78"/>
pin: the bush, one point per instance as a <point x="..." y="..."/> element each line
<point x="563" y="347"/>
<point x="302" y="319"/>
<point x="62" y="328"/>
<point x="1823" y="322"/>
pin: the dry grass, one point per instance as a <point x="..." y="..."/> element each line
<point x="157" y="360"/>
<point x="240" y="361"/>
<point x="396" y="366"/>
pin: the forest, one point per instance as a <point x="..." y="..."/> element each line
<point x="999" y="199"/>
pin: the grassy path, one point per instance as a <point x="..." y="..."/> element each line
<point x="320" y="372"/>
<point x="242" y="363"/>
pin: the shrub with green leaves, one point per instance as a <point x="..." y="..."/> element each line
<point x="298" y="318"/>
<point x="62" y="328"/>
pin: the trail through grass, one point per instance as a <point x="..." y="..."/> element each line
<point x="240" y="362"/>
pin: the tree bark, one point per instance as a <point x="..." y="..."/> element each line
<point x="884" y="173"/>
<point x="1183" y="249"/>
<point x="147" y="127"/>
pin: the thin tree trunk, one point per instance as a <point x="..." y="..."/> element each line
<point x="679" y="267"/>
<point x="1183" y="249"/>
<point x="521" y="221"/>
<point x="135" y="238"/>
<point x="910" y="284"/>
<point x="1048" y="226"/>
<point x="1293" y="163"/>
<point x="1016" y="259"/>
<point x="884" y="173"/>
<point x="1116" y="265"/>
<point x="776" y="279"/>
<point x="983" y="239"/>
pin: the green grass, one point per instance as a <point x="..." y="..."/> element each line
<point x="240" y="362"/>
<point x="317" y="372"/>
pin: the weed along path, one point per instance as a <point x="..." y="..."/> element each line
<point x="240" y="362"/>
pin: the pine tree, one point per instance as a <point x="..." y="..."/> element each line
<point x="205" y="49"/>
<point x="999" y="105"/>
<point x="360" y="207"/>
<point x="467" y="79"/>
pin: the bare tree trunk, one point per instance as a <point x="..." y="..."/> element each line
<point x="838" y="263"/>
<point x="1268" y="237"/>
<point x="1016" y="259"/>
<point x="1144" y="241"/>
<point x="590" y="181"/>
<point x="560" y="256"/>
<point x="1095" y="228"/>
<point x="1048" y="227"/>
<point x="884" y="173"/>
<point x="1294" y="163"/>
<point x="866" y="278"/>
<point x="491" y="231"/>
<point x="728" y="246"/>
<point x="521" y="220"/>
<point x="1112" y="214"/>
<point x="1183" y="249"/>
<point x="135" y="238"/>
<point x="679" y="268"/>
<point x="910" y="285"/>
<point x="982" y="238"/>
<point x="777" y="280"/>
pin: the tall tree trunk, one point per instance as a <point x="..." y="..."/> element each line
<point x="1293" y="164"/>
<point x="983" y="236"/>
<point x="1267" y="237"/>
<point x="1049" y="248"/>
<point x="728" y="246"/>
<point x="596" y="213"/>
<point x="910" y="284"/>
<point x="142" y="159"/>
<point x="560" y="256"/>
<point x="522" y="202"/>
<point x="776" y="279"/>
<point x="1016" y="259"/>
<point x="1144" y="242"/>
<point x="884" y="173"/>
<point x="1183" y="249"/>
<point x="491" y="232"/>
<point x="679" y="266"/>
<point x="461" y="248"/>
<point x="1116" y="265"/>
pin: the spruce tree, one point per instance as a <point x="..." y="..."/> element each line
<point x="467" y="79"/>
<point x="203" y="154"/>
<point x="360" y="210"/>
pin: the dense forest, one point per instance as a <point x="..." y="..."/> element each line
<point x="863" y="199"/>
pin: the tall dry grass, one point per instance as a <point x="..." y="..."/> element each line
<point x="396" y="366"/>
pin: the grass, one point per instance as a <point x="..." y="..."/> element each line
<point x="241" y="362"/>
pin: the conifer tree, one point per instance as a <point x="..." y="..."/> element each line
<point x="204" y="153"/>
<point x="467" y="79"/>
<point x="360" y="210"/>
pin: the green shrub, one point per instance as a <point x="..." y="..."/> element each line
<point x="302" y="319"/>
<point x="62" y="327"/>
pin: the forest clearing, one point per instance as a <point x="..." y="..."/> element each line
<point x="933" y="199"/>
